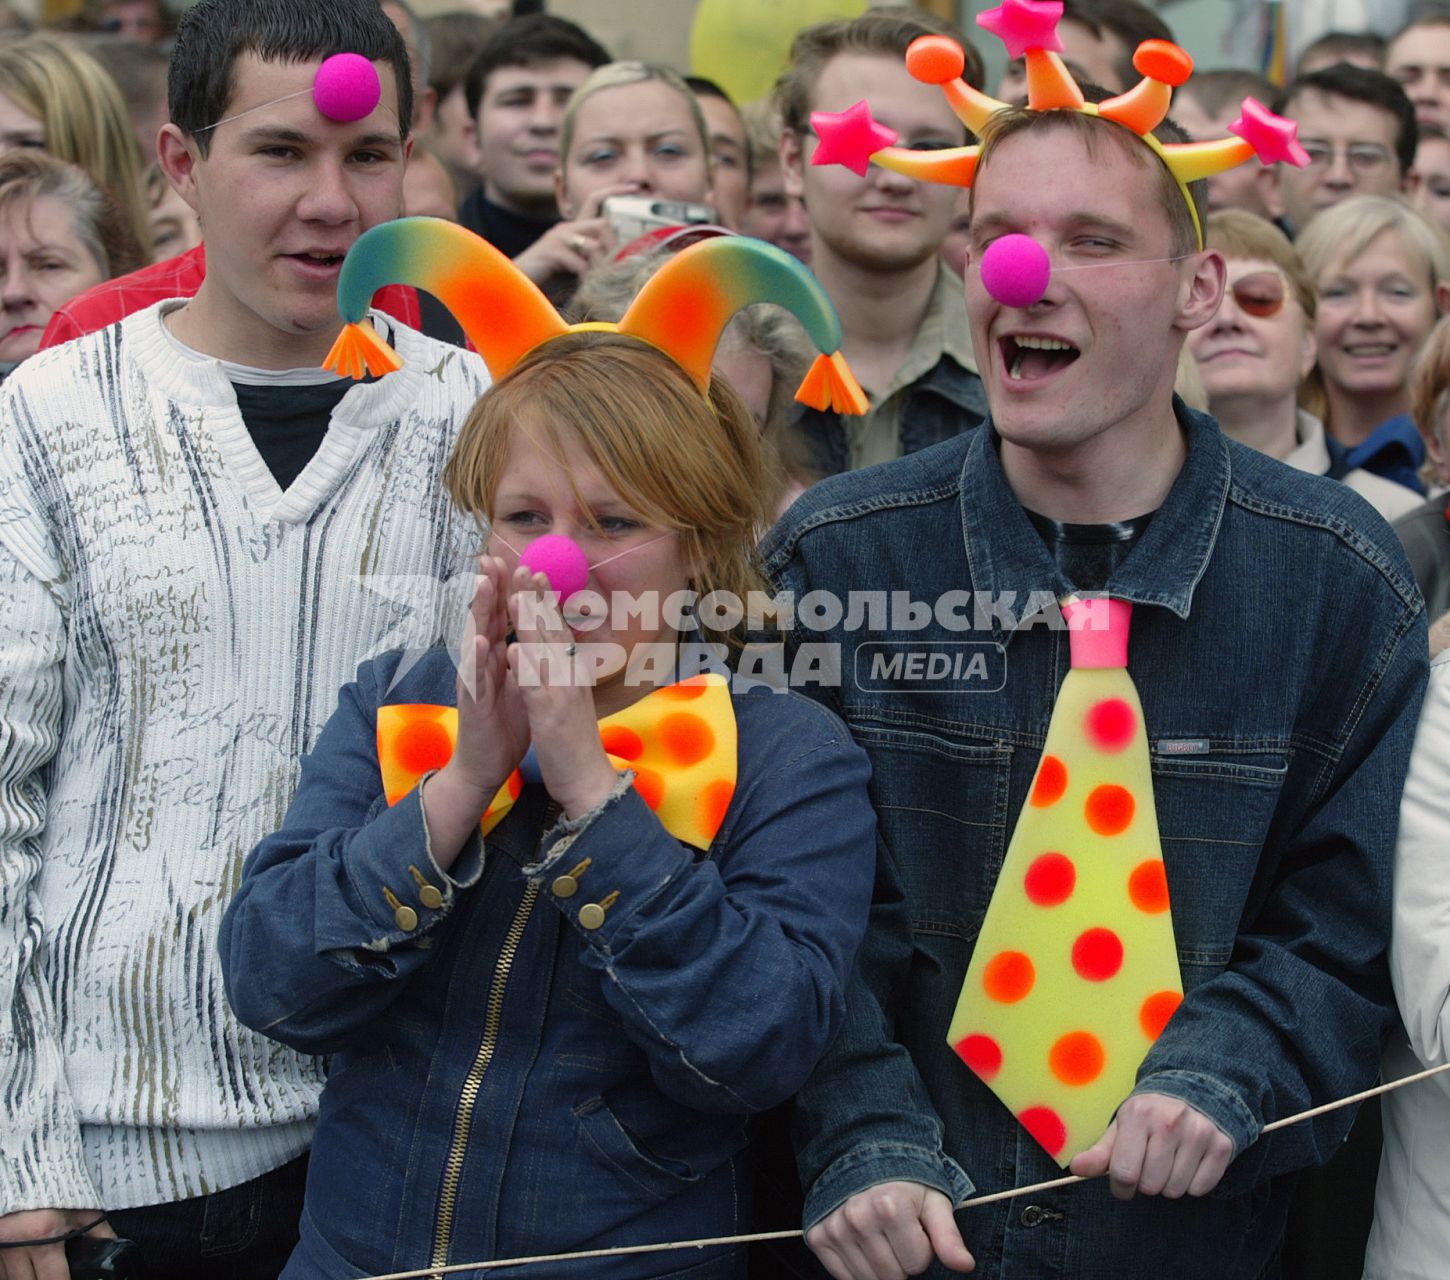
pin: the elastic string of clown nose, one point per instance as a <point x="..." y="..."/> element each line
<point x="1016" y="269"/>
<point x="345" y="88"/>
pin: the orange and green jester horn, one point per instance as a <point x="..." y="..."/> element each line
<point x="682" y="309"/>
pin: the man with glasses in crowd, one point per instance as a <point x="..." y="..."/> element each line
<point x="1359" y="130"/>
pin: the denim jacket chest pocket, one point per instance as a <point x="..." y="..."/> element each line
<point x="1214" y="814"/>
<point x="943" y="810"/>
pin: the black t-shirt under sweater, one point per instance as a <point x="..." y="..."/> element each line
<point x="287" y="422"/>
<point x="1087" y="554"/>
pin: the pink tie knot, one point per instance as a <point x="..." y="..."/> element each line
<point x="1098" y="631"/>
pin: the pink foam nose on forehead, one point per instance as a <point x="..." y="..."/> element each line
<point x="346" y="87"/>
<point x="1016" y="270"/>
<point x="559" y="559"/>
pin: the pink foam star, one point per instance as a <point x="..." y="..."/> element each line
<point x="1024" y="24"/>
<point x="850" y="137"/>
<point x="1272" y="137"/>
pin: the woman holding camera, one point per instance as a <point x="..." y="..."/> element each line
<point x="631" y="129"/>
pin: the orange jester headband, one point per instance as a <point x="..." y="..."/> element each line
<point x="682" y="309"/>
<point x="1029" y="30"/>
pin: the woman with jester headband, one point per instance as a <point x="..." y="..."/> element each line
<point x="566" y="912"/>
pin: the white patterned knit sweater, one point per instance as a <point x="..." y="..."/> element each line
<point x="173" y="633"/>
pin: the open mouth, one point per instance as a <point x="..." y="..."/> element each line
<point x="1028" y="357"/>
<point x="319" y="259"/>
<point x="1371" y="350"/>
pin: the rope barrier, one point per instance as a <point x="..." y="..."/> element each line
<point x="973" y="1202"/>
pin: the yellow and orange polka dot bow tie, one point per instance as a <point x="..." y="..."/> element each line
<point x="1075" y="972"/>
<point x="679" y="740"/>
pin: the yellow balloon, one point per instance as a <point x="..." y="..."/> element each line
<point x="743" y="45"/>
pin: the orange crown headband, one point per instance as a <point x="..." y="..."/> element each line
<point x="682" y="309"/>
<point x="1029" y="30"/>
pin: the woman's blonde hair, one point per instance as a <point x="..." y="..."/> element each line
<point x="612" y="75"/>
<point x="1345" y="230"/>
<point x="84" y="118"/>
<point x="683" y="462"/>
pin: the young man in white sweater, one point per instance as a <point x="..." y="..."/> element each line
<point x="201" y="534"/>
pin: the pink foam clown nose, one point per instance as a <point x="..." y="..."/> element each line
<point x="559" y="559"/>
<point x="346" y="87"/>
<point x="1016" y="270"/>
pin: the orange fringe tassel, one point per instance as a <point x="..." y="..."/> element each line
<point x="830" y="384"/>
<point x="357" y="349"/>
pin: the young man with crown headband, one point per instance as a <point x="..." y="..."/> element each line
<point x="1133" y="891"/>
<point x="202" y="532"/>
<point x="564" y="911"/>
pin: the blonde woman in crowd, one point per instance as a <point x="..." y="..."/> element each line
<point x="1380" y="274"/>
<point x="632" y="128"/>
<point x="56" y="98"/>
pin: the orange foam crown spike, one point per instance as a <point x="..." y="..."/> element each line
<point x="1049" y="83"/>
<point x="939" y="60"/>
<point x="1164" y="67"/>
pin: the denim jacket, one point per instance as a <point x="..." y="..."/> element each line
<point x="1279" y="647"/>
<point x="507" y="1080"/>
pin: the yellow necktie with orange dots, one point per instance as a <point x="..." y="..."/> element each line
<point x="679" y="740"/>
<point x="1075" y="971"/>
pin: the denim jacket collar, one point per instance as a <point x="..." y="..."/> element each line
<point x="1006" y="554"/>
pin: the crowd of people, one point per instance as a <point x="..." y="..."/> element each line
<point x="388" y="882"/>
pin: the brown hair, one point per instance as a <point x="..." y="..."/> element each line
<point x="457" y="38"/>
<point x="1091" y="130"/>
<point x="683" y="462"/>
<point x="887" y="31"/>
<point x="26" y="176"/>
<point x="1216" y="91"/>
<point x="1237" y="233"/>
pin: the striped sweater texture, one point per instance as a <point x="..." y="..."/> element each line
<point x="173" y="632"/>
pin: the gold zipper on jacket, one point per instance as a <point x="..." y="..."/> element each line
<point x="463" y="1118"/>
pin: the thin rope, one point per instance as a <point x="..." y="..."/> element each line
<point x="669" y="533"/>
<point x="972" y="1202"/>
<point x="1127" y="262"/>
